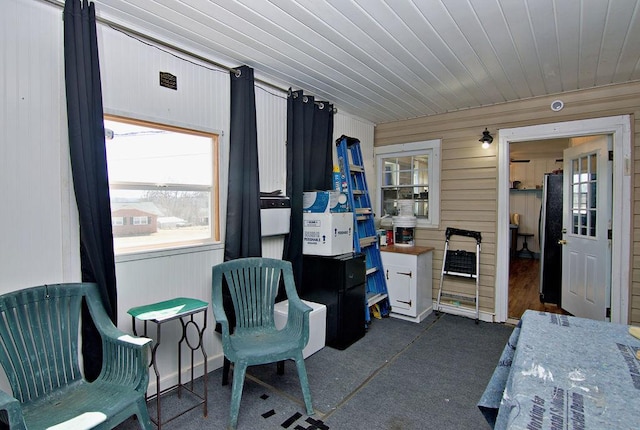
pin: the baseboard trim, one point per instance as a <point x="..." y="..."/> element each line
<point x="465" y="312"/>
<point x="171" y="379"/>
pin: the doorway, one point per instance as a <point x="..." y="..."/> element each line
<point x="529" y="163"/>
<point x="619" y="128"/>
<point x="537" y="196"/>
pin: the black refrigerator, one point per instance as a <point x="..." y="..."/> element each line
<point x="339" y="283"/>
<point x="550" y="233"/>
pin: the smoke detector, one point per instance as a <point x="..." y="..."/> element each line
<point x="557" y="105"/>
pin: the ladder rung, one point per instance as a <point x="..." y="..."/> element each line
<point x="364" y="231"/>
<point x="459" y="297"/>
<point x="461" y="274"/>
<point x="368" y="241"/>
<point x="375" y="298"/>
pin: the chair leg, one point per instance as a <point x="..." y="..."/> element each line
<point x="143" y="415"/>
<point x="226" y="364"/>
<point x="304" y="383"/>
<point x="239" y="370"/>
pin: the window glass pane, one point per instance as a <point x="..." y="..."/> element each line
<point x="406" y="177"/>
<point x="404" y="163"/>
<point x="143" y="154"/>
<point x="592" y="223"/>
<point x="161" y="185"/>
<point x="421" y="208"/>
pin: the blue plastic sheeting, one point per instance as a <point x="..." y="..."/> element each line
<point x="562" y="372"/>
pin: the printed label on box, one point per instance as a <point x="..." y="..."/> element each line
<point x="327" y="233"/>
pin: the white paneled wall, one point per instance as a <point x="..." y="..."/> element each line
<point x="345" y="124"/>
<point x="527" y="201"/>
<point x="38" y="220"/>
<point x="271" y="122"/>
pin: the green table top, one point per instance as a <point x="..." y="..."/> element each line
<point x="168" y="309"/>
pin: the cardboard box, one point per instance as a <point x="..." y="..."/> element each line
<point x="327" y="234"/>
<point x="317" y="324"/>
<point x="324" y="201"/>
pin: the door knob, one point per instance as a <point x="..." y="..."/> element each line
<point x="562" y="242"/>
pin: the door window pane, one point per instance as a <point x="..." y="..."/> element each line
<point x="584" y="195"/>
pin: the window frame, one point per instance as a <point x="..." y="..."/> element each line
<point x="214" y="189"/>
<point x="430" y="148"/>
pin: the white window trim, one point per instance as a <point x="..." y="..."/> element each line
<point x="415" y="148"/>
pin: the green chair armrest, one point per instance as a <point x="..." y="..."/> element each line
<point x="118" y="344"/>
<point x="298" y="319"/>
<point x="221" y="318"/>
<point x="14" y="411"/>
<point x="127" y="350"/>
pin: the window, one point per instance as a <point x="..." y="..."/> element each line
<point x="140" y="220"/>
<point x="410" y="171"/>
<point x="584" y="190"/>
<point x="162" y="182"/>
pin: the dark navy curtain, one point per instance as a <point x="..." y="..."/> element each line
<point x="309" y="163"/>
<point x="243" y="234"/>
<point x="89" y="168"/>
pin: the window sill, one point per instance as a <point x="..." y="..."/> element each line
<point x="167" y="252"/>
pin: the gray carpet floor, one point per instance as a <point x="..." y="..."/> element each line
<point x="400" y="375"/>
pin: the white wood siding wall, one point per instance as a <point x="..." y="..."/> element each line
<point x="38" y="223"/>
<point x="347" y="125"/>
<point x="38" y="219"/>
<point x="469" y="173"/>
<point x="527" y="201"/>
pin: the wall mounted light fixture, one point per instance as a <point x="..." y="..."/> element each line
<point x="486" y="138"/>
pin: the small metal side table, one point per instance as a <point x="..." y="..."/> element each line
<point x="183" y="309"/>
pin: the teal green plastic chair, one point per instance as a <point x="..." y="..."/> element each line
<point x="253" y="285"/>
<point x="39" y="341"/>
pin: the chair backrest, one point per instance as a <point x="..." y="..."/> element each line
<point x="39" y="336"/>
<point x="253" y="285"/>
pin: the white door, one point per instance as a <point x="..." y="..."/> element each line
<point x="586" y="254"/>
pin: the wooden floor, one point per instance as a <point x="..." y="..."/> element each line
<point x="524" y="288"/>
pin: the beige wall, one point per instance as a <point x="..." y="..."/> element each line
<point x="469" y="173"/>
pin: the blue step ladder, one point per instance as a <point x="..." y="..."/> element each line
<point x="365" y="238"/>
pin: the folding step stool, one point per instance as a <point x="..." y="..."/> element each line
<point x="461" y="263"/>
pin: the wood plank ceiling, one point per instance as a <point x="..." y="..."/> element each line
<point x="387" y="60"/>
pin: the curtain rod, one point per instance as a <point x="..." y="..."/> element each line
<point x="121" y="27"/>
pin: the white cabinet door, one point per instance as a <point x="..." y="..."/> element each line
<point x="400" y="280"/>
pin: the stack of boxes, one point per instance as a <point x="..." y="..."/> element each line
<point x="327" y="226"/>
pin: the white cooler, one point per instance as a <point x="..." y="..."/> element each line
<point x="317" y="324"/>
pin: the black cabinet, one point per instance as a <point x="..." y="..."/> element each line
<point x="338" y="283"/>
